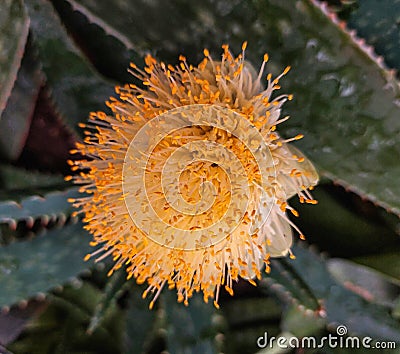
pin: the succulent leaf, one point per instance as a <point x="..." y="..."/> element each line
<point x="190" y="329"/>
<point x="363" y="280"/>
<point x="14" y="28"/>
<point x="114" y="288"/>
<point x="353" y="140"/>
<point x="387" y="263"/>
<point x="16" y="118"/>
<point x="74" y="305"/>
<point x="377" y="23"/>
<point x="93" y="34"/>
<point x="338" y="304"/>
<point x="294" y="287"/>
<point x="140" y="323"/>
<point x="51" y="206"/>
<point x="18" y="183"/>
<point x="340" y="228"/>
<point x="301" y="323"/>
<point x="247" y="319"/>
<point x="75" y="88"/>
<point x="36" y="266"/>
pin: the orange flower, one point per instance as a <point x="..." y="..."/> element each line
<point x="188" y="179"/>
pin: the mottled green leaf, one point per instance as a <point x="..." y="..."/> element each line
<point x="37" y="265"/>
<point x="377" y="22"/>
<point x="14" y="27"/>
<point x="16" y="118"/>
<point x="369" y="283"/>
<point x="113" y="289"/>
<point x="169" y="28"/>
<point x="349" y="119"/>
<point x="340" y="305"/>
<point x="75" y="86"/>
<point x="101" y="21"/>
<point x="51" y="205"/>
<point x="302" y="323"/>
<point x="61" y="327"/>
<point x="190" y="329"/>
<point x="396" y="308"/>
<point x="387" y="263"/>
<point x="248" y="319"/>
<point x="140" y="322"/>
<point x="94" y="34"/>
<point x="345" y="226"/>
<point x="18" y="183"/>
<point x="241" y="311"/>
<point x="294" y="286"/>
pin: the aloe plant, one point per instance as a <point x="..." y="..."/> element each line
<point x="61" y="59"/>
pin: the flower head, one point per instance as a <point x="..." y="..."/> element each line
<point x="188" y="179"/>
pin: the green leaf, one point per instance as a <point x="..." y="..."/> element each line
<point x="95" y="34"/>
<point x="16" y="118"/>
<point x="344" y="225"/>
<point x="338" y="304"/>
<point x="50" y="206"/>
<point x="248" y="319"/>
<point x="350" y="121"/>
<point x="100" y="22"/>
<point x="378" y="23"/>
<point x="18" y="183"/>
<point x="301" y="323"/>
<point x="369" y="283"/>
<point x="14" y="28"/>
<point x="387" y="263"/>
<point x="293" y="285"/>
<point x="74" y="305"/>
<point x="111" y="16"/>
<point x="140" y="323"/>
<point x="113" y="289"/>
<point x="75" y="86"/>
<point x="31" y="267"/>
<point x="190" y="329"/>
<point x="396" y="308"/>
<point x="240" y="312"/>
